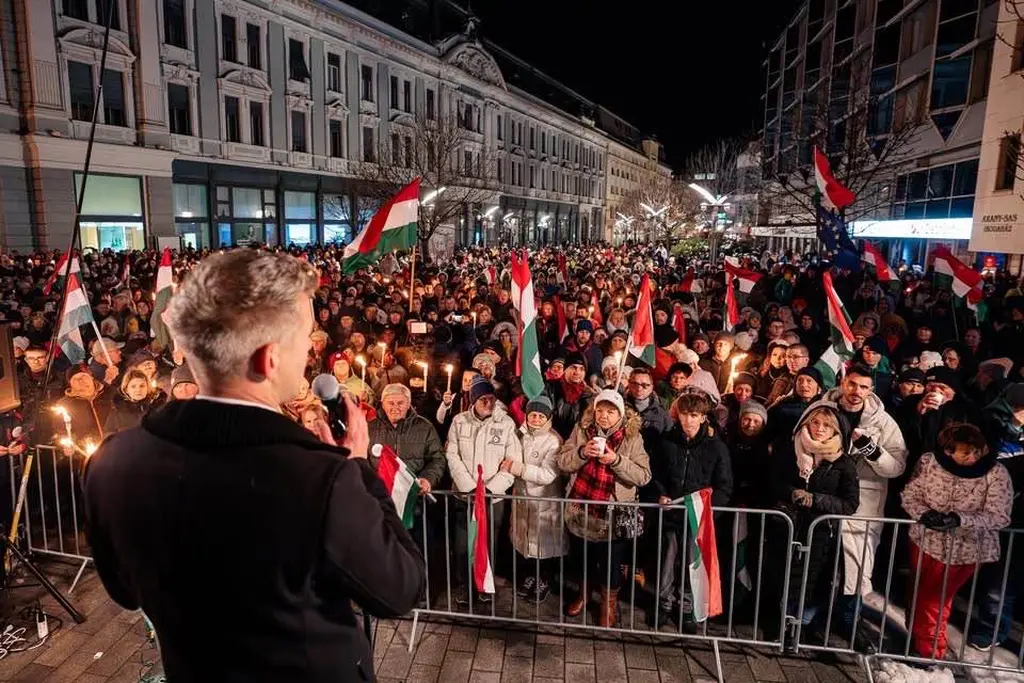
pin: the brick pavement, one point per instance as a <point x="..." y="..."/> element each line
<point x="111" y="647"/>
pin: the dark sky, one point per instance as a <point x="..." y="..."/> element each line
<point x="688" y="71"/>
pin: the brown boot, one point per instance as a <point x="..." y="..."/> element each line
<point x="609" y="601"/>
<point x="576" y="607"/>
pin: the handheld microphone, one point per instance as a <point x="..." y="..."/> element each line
<point x="326" y="388"/>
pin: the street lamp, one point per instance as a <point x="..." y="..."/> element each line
<point x="653" y="214"/>
<point x="715" y="204"/>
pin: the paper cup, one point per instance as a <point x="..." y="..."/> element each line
<point x="937" y="397"/>
<point x="600" y="442"/>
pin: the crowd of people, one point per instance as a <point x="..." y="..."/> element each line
<point x="925" y="423"/>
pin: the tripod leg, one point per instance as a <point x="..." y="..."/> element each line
<point x="44" y="582"/>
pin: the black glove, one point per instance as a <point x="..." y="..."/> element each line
<point x="865" y="447"/>
<point x="940" y="521"/>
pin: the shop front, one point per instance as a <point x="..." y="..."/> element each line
<point x="112" y="214"/>
<point x="911" y="240"/>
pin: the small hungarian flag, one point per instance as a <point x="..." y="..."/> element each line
<point x="491" y="275"/>
<point x="528" y="357"/>
<point x="691" y="284"/>
<point x="595" y="310"/>
<point x="834" y="196"/>
<point x="563" y="271"/>
<point x="876" y="260"/>
<point x="58" y="272"/>
<point x="641" y="333"/>
<point x="392" y="227"/>
<point x="679" y="323"/>
<point x="76" y="313"/>
<point x="732" y="309"/>
<point x="483" y="576"/>
<point x="164" y="290"/>
<point x="840" y="348"/>
<point x="950" y="273"/>
<point x="399" y="481"/>
<point x="705" y="581"/>
<point x="563" y="324"/>
<point x="748" y="278"/>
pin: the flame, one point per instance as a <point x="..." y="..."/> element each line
<point x="733" y="372"/>
<point x="90" y="448"/>
<point x="423" y="364"/>
<point x="62" y="411"/>
<point x="361" y="360"/>
<point x="66" y="442"/>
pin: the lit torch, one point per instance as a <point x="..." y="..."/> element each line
<point x="426" y="369"/>
<point x="62" y="411"/>
<point x="362" y="364"/>
<point x="448" y="368"/>
<point x="733" y="372"/>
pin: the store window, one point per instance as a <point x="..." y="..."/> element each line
<point x="940" y="192"/>
<point x="246" y="215"/>
<point x="337" y="219"/>
<point x="111" y="212"/>
<point x="191" y="215"/>
<point x="300" y="218"/>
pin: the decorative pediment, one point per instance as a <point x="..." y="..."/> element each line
<point x="179" y="72"/>
<point x="295" y="101"/>
<point x="247" y="78"/>
<point x="403" y="119"/>
<point x="336" y="107"/>
<point x="471" y="57"/>
<point x="91" y="40"/>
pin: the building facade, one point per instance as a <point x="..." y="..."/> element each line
<point x="999" y="201"/>
<point x="225" y="122"/>
<point x="909" y="79"/>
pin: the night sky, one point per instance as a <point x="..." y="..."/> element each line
<point x="688" y="71"/>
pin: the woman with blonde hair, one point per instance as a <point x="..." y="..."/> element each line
<point x="136" y="398"/>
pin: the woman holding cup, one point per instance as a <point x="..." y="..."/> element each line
<point x="606" y="461"/>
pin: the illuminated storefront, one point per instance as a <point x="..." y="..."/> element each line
<point x="111" y="216"/>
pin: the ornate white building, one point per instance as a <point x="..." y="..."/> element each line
<point x="228" y="121"/>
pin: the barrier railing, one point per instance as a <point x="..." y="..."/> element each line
<point x="47" y="483"/>
<point x="753" y="546"/>
<point x="928" y="623"/>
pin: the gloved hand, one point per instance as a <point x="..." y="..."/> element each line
<point x="865" y="447"/>
<point x="940" y="521"/>
<point x="802" y="497"/>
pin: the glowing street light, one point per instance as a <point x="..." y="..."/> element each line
<point x="432" y="195"/>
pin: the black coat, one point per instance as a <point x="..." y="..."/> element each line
<point x="212" y="508"/>
<point x="681" y="466"/>
<point x="566" y="415"/>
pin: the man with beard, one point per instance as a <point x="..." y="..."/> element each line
<point x="569" y="395"/>
<point x="582" y="343"/>
<point x="880" y="452"/>
<point x="719" y="364"/>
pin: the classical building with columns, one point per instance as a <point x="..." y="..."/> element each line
<point x="225" y="122"/>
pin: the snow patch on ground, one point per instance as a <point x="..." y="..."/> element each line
<point x="889" y="671"/>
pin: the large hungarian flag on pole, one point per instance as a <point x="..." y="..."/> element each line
<point x="483" y="576"/>
<point x="77" y="312"/>
<point x="705" y="581"/>
<point x="691" y="283"/>
<point x="950" y="273"/>
<point x="641" y="332"/>
<point x="164" y="291"/>
<point x="58" y="272"/>
<point x="877" y="261"/>
<point x="392" y="227"/>
<point x="840" y="348"/>
<point x="528" y="358"/>
<point x="833" y="195"/>
<point x="399" y="481"/>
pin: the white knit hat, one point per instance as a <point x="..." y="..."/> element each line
<point x="613" y="397"/>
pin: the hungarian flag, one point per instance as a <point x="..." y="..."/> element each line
<point x="399" y="482"/>
<point x="748" y="278"/>
<point x="877" y="261"/>
<point x="483" y="576"/>
<point x="563" y="271"/>
<point x="563" y="325"/>
<point x="732" y="310"/>
<point x="950" y="273"/>
<point x="641" y="333"/>
<point x="58" y="272"/>
<point x="840" y="348"/>
<point x="834" y="196"/>
<point x="164" y="290"/>
<point x="392" y="227"/>
<point x="691" y="284"/>
<point x="595" y="309"/>
<point x="679" y="323"/>
<point x="76" y="313"/>
<point x="491" y="275"/>
<point x="705" y="581"/>
<point x="126" y="274"/>
<point x="528" y="357"/>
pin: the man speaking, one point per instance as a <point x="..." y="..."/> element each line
<point x="243" y="537"/>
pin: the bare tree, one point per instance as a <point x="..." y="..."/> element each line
<point x="661" y="209"/>
<point x="865" y="135"/>
<point x="714" y="167"/>
<point x="445" y="153"/>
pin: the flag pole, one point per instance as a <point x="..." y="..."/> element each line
<point x="99" y="340"/>
<point x="412" y="276"/>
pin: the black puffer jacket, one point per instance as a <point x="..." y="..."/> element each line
<point x="415" y="441"/>
<point x="682" y="466"/>
<point x="566" y="415"/>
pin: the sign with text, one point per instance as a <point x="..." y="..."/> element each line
<point x="999" y="224"/>
<point x="921" y="228"/>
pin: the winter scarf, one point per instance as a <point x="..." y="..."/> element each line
<point x="975" y="471"/>
<point x="810" y="453"/>
<point x="572" y="391"/>
<point x="595" y="480"/>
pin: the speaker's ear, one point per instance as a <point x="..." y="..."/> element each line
<point x="9" y="396"/>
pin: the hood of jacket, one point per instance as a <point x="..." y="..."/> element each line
<point x="632" y="418"/>
<point x="845" y="430"/>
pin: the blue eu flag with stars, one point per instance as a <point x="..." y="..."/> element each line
<point x="832" y="233"/>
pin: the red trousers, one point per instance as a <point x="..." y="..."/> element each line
<point x="929" y="615"/>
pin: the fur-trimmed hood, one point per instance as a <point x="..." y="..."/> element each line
<point x="633" y="421"/>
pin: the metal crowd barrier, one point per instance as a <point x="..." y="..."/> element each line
<point x="51" y="516"/>
<point x="894" y="609"/>
<point x="753" y="612"/>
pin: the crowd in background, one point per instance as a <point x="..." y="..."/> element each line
<point x="926" y="422"/>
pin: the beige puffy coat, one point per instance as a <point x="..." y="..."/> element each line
<point x="536" y="527"/>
